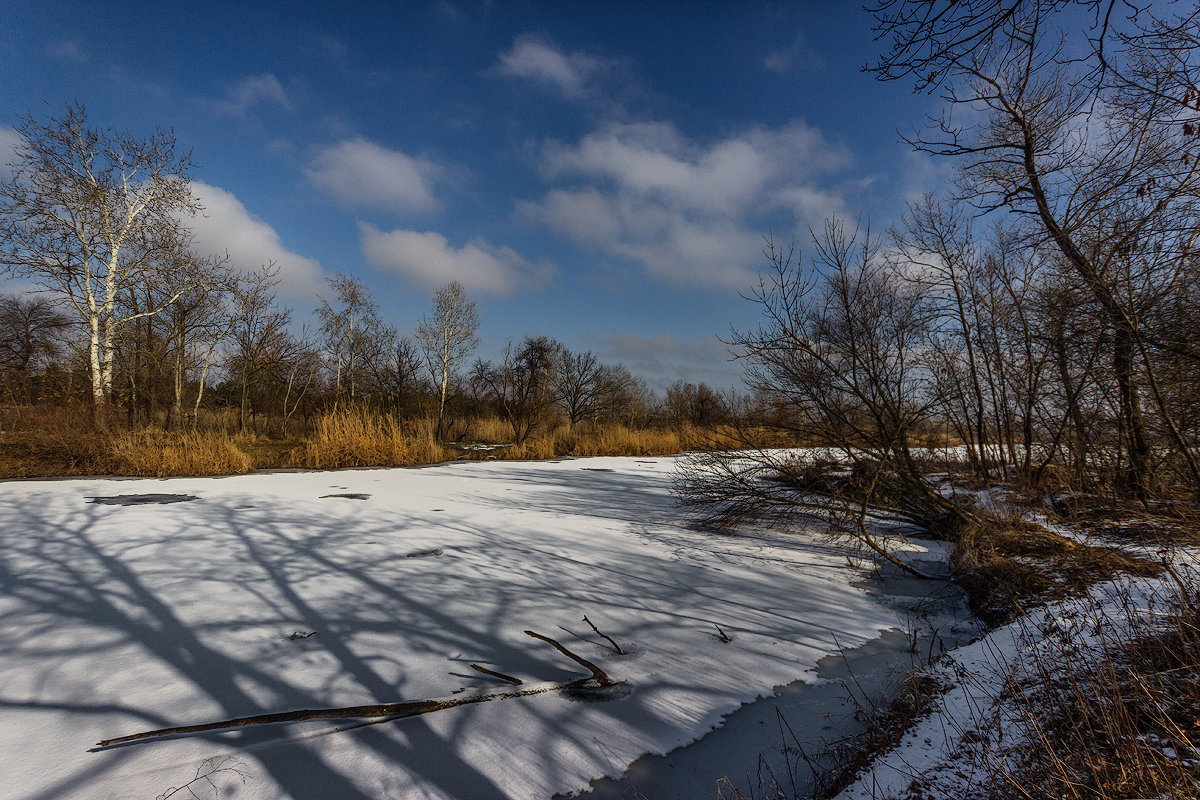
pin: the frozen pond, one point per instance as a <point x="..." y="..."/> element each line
<point x="199" y="600"/>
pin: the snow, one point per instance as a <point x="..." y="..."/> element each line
<point x="937" y="756"/>
<point x="272" y="592"/>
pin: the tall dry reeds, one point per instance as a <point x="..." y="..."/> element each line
<point x="358" y="438"/>
<point x="618" y="440"/>
<point x="160" y="454"/>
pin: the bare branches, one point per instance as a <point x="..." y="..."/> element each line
<point x="446" y="338"/>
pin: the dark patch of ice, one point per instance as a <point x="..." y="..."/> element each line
<point x="588" y="693"/>
<point x="141" y="499"/>
<point x="437" y="551"/>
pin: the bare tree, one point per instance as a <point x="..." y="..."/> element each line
<point x="31" y="338"/>
<point x="348" y="323"/>
<point x="1088" y="137"/>
<point x="584" y="388"/>
<point x="89" y="212"/>
<point x="198" y="317"/>
<point x="840" y="354"/>
<point x="522" y="384"/>
<point x="447" y="337"/>
<point x="259" y="341"/>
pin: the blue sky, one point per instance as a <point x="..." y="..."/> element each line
<point x="598" y="172"/>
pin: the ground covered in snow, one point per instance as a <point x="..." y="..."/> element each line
<point x="131" y="605"/>
<point x="982" y="722"/>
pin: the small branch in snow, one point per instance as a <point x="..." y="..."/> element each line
<point x="205" y="773"/>
<point x="494" y="674"/>
<point x="598" y="675"/>
<point x="724" y="637"/>
<point x="616" y="646"/>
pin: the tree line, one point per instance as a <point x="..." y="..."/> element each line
<point x="131" y="320"/>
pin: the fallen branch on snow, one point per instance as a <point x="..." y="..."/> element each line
<point x="599" y="679"/>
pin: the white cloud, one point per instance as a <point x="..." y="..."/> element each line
<point x="687" y="212"/>
<point x="226" y="225"/>
<point x="363" y="174"/>
<point x="9" y="141"/>
<point x="429" y="260"/>
<point x="662" y="358"/>
<point x="253" y="91"/>
<point x="68" y="50"/>
<point x="796" y="56"/>
<point x="533" y="58"/>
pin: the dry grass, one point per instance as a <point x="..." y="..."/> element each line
<point x="357" y="438"/>
<point x="64" y="441"/>
<point x="1116" y="718"/>
<point x="38" y="442"/>
<point x="618" y="440"/>
<point x="159" y="454"/>
<point x="489" y="430"/>
<point x="1007" y="566"/>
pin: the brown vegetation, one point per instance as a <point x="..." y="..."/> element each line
<point x="1117" y="718"/>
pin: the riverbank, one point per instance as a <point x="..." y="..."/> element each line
<point x="791" y="740"/>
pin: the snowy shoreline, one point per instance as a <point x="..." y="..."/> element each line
<point x="775" y="736"/>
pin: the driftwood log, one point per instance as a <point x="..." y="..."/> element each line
<point x="598" y="679"/>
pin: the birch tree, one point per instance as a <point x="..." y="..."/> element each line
<point x="447" y="337"/>
<point x="347" y="324"/>
<point x="88" y="212"/>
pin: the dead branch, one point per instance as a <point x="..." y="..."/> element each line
<point x="598" y="675"/>
<point x="500" y="675"/>
<point x="616" y="646"/>
<point x="387" y="711"/>
<point x="724" y="636"/>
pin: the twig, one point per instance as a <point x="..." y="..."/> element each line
<point x="204" y="774"/>
<point x="616" y="646"/>
<point x="494" y="674"/>
<point x="724" y="636"/>
<point x="598" y="679"/>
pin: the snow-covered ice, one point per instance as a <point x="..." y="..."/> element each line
<point x="271" y="592"/>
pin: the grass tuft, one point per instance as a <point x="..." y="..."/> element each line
<point x="1116" y="717"/>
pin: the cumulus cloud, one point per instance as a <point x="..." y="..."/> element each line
<point x="428" y="259"/>
<point x="227" y="225"/>
<point x="535" y="59"/>
<point x="254" y="91"/>
<point x="363" y="174"/>
<point x="687" y="212"/>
